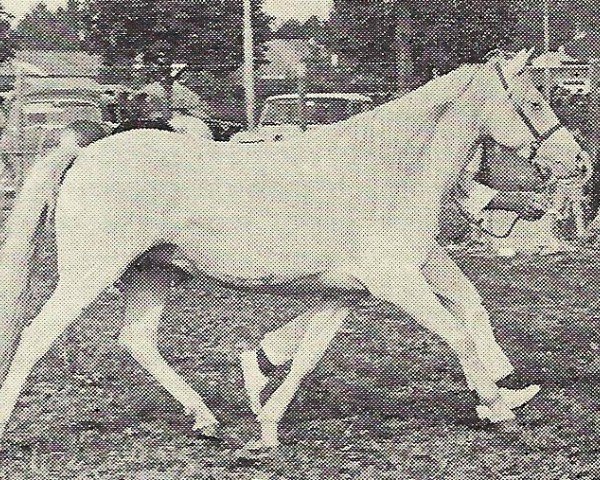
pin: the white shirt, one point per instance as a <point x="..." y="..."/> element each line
<point x="476" y="195"/>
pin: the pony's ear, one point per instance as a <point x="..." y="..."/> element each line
<point x="516" y="65"/>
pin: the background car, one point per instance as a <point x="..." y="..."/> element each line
<point x="280" y="115"/>
<point x="33" y="120"/>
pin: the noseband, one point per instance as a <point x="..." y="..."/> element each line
<point x="538" y="137"/>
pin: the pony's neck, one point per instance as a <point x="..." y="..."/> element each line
<point x="453" y="145"/>
<point x="402" y="118"/>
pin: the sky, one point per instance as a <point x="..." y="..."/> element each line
<point x="282" y="9"/>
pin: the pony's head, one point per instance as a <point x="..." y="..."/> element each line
<point x="516" y="115"/>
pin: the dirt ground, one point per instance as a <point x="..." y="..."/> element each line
<point x="387" y="401"/>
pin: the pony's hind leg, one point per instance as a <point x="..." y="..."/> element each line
<point x="303" y="341"/>
<point x="63" y="307"/>
<point x="146" y="294"/>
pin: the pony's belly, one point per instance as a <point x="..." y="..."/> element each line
<point x="245" y="251"/>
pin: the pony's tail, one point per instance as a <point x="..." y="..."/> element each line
<point x="16" y="254"/>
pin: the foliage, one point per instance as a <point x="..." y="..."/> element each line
<point x="567" y="18"/>
<point x="43" y="29"/>
<point x="439" y="35"/>
<point x="364" y="31"/>
<point x="290" y="29"/>
<point x="7" y="43"/>
<point x="295" y="29"/>
<point x="463" y="33"/>
<point x="203" y="33"/>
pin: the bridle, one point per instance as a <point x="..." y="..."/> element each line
<point x="538" y="137"/>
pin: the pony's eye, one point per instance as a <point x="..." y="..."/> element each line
<point x="536" y="106"/>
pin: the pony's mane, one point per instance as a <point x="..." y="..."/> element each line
<point x="421" y="106"/>
<point x="437" y="92"/>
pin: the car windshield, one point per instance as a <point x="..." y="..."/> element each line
<point x="60" y="113"/>
<point x="318" y="111"/>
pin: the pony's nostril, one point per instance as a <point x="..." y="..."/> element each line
<point x="584" y="164"/>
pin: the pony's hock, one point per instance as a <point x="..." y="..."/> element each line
<point x="359" y="198"/>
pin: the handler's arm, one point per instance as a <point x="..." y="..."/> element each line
<point x="473" y="196"/>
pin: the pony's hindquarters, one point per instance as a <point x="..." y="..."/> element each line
<point x="16" y="255"/>
<point x="99" y="231"/>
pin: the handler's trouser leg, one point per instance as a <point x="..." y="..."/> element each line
<point x="461" y="297"/>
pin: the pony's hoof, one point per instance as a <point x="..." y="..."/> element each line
<point x="204" y="421"/>
<point x="254" y="380"/>
<point x="512" y="398"/>
<point x="498" y="412"/>
<point x="260" y="446"/>
<point x="209" y="433"/>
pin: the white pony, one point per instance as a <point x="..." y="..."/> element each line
<point x="359" y="199"/>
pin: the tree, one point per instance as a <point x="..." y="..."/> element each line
<point x="42" y="29"/>
<point x="315" y="28"/>
<point x="7" y="43"/>
<point x="364" y="32"/>
<point x="204" y="33"/>
<point x="462" y="31"/>
<point x="295" y="29"/>
<point x="290" y="29"/>
<point x="440" y="35"/>
<point x="567" y="18"/>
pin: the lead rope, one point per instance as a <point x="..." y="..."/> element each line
<point x="471" y="220"/>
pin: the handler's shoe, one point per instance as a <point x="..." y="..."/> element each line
<point x="254" y="380"/>
<point x="512" y="398"/>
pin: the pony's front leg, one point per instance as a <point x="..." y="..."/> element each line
<point x="460" y="297"/>
<point x="146" y="294"/>
<point x="304" y="340"/>
<point x="406" y="287"/>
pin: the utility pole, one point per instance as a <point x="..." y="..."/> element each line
<point x="547" y="77"/>
<point x="249" y="66"/>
